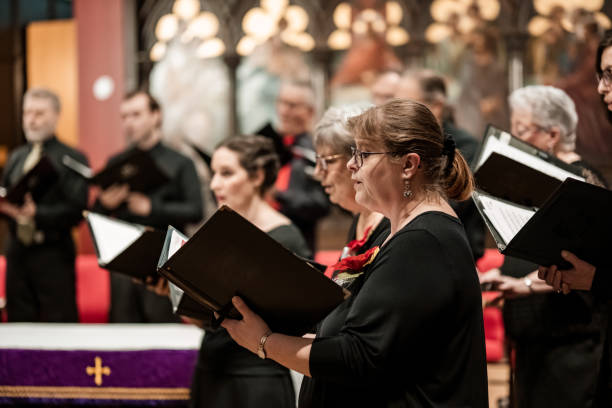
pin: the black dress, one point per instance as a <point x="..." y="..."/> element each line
<point x="381" y="231"/>
<point x="229" y="376"/>
<point x="412" y="332"/>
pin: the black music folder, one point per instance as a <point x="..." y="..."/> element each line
<point x="36" y="182"/>
<point x="136" y="168"/>
<point x="509" y="168"/>
<point x="184" y="305"/>
<point x="130" y="249"/>
<point x="230" y="256"/>
<point x="576" y="217"/>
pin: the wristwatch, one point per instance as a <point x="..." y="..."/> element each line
<point x="528" y="282"/>
<point x="261" y="351"/>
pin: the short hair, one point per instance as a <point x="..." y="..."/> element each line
<point x="549" y="107"/>
<point x="332" y="129"/>
<point x="431" y="85"/>
<point x="406" y="126"/>
<point x="303" y="84"/>
<point x="44" y="93"/>
<point x="153" y="104"/>
<point x="255" y="153"/>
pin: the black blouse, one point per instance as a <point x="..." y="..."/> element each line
<point x="412" y="332"/>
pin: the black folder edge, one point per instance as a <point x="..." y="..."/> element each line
<point x="492" y="131"/>
<point x="109" y="266"/>
<point x="222" y="311"/>
<point x="7" y="193"/>
<point x="528" y="228"/>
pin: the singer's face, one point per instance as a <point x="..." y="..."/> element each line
<point x="335" y="178"/>
<point x="231" y="183"/>
<point x="137" y="118"/>
<point x="39" y="119"/>
<point x="523" y="127"/>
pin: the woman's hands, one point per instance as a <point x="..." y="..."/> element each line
<point x="248" y="331"/>
<point x="579" y="277"/>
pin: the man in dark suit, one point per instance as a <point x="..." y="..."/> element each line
<point x="297" y="194"/>
<point x="40" y="255"/>
<point x="175" y="203"/>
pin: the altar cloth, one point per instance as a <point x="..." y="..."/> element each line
<point x="97" y="364"/>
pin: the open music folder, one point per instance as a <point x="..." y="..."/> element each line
<point x="130" y="249"/>
<point x="509" y="168"/>
<point x="36" y="182"/>
<point x="230" y="256"/>
<point x="137" y="169"/>
<point x="577" y="217"/>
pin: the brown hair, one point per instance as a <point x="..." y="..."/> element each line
<point x="254" y="153"/>
<point x="153" y="104"/>
<point x="405" y="126"/>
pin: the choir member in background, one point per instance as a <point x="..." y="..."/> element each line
<point x="384" y="87"/>
<point x="559" y="341"/>
<point x="175" y="203"/>
<point x="430" y="89"/>
<point x="296" y="193"/>
<point x="226" y="375"/>
<point x="40" y="254"/>
<point x="411" y="333"/>
<point x="583" y="276"/>
<point x="333" y="143"/>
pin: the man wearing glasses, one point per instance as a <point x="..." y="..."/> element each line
<point x="296" y="193"/>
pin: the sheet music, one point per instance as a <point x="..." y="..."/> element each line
<point x="176" y="241"/>
<point x="112" y="237"/>
<point x="495" y="145"/>
<point x="176" y="294"/>
<point x="506" y="218"/>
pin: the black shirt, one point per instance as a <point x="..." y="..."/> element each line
<point x="412" y="332"/>
<point x="60" y="208"/>
<point x="176" y="203"/>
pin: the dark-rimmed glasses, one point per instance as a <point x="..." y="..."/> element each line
<point x="324" y="161"/>
<point x="359" y="156"/>
<point x="605" y="76"/>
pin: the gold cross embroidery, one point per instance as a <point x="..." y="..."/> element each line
<point x="98" y="370"/>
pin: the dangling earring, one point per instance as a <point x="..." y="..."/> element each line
<point x="407" y="190"/>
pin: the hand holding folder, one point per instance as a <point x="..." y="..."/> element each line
<point x="137" y="169"/>
<point x="36" y="182"/>
<point x="229" y="256"/>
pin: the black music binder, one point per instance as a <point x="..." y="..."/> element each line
<point x="130" y="249"/>
<point x="576" y="217"/>
<point x="136" y="168"/>
<point x="230" y="256"/>
<point x="512" y="169"/>
<point x="36" y="182"/>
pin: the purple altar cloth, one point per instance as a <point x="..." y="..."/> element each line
<point x="142" y="377"/>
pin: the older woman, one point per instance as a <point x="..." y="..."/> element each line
<point x="411" y="334"/>
<point x="244" y="168"/>
<point x="558" y="340"/>
<point x="333" y="143"/>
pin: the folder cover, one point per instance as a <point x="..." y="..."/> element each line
<point x="36" y="182"/>
<point x="137" y="169"/>
<point x="130" y="249"/>
<point x="510" y="168"/>
<point x="576" y="217"/>
<point x="230" y="256"/>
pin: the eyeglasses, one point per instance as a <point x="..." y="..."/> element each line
<point x="359" y="156"/>
<point x="324" y="161"/>
<point x="605" y="76"/>
<point x="521" y="130"/>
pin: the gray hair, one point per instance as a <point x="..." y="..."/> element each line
<point x="44" y="93"/>
<point x="549" y="107"/>
<point x="332" y="129"/>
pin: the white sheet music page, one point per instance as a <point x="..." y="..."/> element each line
<point x="112" y="237"/>
<point x="507" y="219"/>
<point x="177" y="240"/>
<point x="495" y="145"/>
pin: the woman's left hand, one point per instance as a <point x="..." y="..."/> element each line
<point x="248" y="331"/>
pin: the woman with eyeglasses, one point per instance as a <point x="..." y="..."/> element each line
<point x="558" y="341"/>
<point x="583" y="276"/>
<point x="411" y="333"/>
<point x="333" y="143"/>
